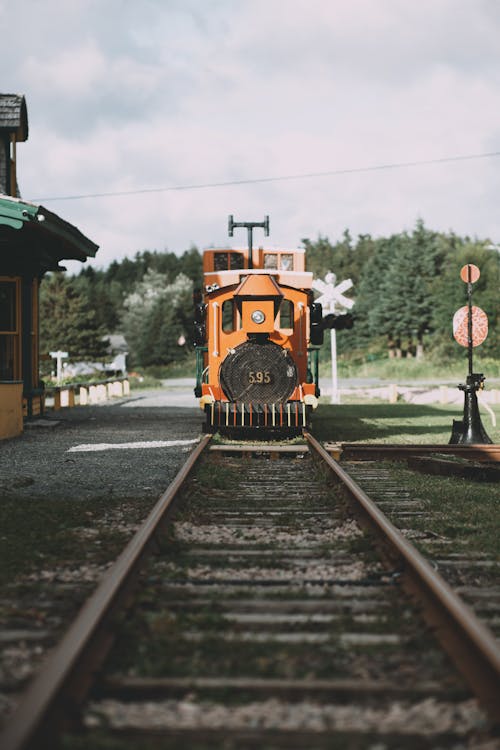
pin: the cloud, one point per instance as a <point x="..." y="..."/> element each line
<point x="124" y="96"/>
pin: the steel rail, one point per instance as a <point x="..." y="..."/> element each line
<point x="66" y="676"/>
<point x="468" y="642"/>
<point x="380" y="451"/>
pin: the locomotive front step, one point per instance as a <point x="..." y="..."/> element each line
<point x="263" y="421"/>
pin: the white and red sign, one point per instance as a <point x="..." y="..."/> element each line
<point x="461" y="326"/>
<point x="470" y="273"/>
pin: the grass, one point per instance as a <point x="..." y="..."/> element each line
<point x="153" y="644"/>
<point x="455" y="509"/>
<point x="39" y="533"/>
<point x="409" y="370"/>
<point x="402" y="371"/>
<point x="214" y="474"/>
<point x="392" y="423"/>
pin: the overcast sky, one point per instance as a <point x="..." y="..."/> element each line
<point x="128" y="96"/>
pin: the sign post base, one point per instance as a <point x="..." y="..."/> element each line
<point x="470" y="430"/>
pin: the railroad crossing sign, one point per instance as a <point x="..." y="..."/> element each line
<point x="332" y="296"/>
<point x="333" y="300"/>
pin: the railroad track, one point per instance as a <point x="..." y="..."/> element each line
<point x="377" y="451"/>
<point x="262" y="617"/>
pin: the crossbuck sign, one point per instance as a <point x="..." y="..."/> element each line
<point x="333" y="300"/>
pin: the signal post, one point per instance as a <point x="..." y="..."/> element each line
<point x="470" y="329"/>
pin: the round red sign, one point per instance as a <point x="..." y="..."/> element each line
<point x="470" y="273"/>
<point x="461" y="327"/>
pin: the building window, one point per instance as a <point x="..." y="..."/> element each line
<point x="9" y="330"/>
<point x="8" y="306"/>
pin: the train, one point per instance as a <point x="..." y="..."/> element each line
<point x="257" y="336"/>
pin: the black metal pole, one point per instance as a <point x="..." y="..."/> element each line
<point x="469" y="319"/>
<point x="470" y="430"/>
<point x="250" y="225"/>
<point x="250" y="246"/>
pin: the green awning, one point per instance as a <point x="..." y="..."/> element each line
<point x="33" y="239"/>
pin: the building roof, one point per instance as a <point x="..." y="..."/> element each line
<point x="14" y="115"/>
<point x="35" y="240"/>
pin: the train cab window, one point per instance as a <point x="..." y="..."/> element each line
<point x="9" y="331"/>
<point x="270" y="260"/>
<point x="228" y="316"/>
<point x="283" y="261"/>
<point x="286" y="314"/>
<point x="236" y="261"/>
<point x="231" y="261"/>
<point x="220" y="261"/>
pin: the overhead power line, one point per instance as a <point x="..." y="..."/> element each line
<point x="282" y="178"/>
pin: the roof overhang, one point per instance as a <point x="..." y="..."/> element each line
<point x="35" y="240"/>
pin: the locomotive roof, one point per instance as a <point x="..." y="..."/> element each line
<point x="268" y="249"/>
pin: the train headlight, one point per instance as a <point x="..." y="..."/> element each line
<point x="258" y="316"/>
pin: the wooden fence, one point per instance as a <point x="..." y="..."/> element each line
<point x="83" y="394"/>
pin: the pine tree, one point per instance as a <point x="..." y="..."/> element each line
<point x="67" y="320"/>
<point x="156" y="315"/>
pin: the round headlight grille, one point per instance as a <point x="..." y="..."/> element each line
<point x="258" y="372"/>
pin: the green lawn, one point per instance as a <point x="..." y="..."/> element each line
<point x="392" y="423"/>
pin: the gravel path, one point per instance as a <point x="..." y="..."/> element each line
<point x="122" y="454"/>
<point x="133" y="446"/>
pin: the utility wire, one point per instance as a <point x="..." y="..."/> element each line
<point x="283" y="178"/>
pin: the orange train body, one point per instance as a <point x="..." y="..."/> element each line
<point x="256" y="365"/>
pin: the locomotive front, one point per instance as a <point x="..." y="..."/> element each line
<point x="256" y="369"/>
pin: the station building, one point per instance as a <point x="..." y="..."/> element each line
<point x="33" y="241"/>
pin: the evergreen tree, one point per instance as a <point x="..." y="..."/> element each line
<point x="405" y="310"/>
<point x="156" y="315"/>
<point x="395" y="294"/>
<point x="371" y="295"/>
<point x="104" y="297"/>
<point x="345" y="258"/>
<point x="407" y="288"/>
<point x="67" y="321"/>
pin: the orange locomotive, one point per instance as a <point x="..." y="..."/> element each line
<point x="257" y="332"/>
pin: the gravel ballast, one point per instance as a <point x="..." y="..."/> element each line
<point x="74" y="487"/>
<point x="48" y="459"/>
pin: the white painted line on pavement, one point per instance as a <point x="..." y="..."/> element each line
<point x="88" y="447"/>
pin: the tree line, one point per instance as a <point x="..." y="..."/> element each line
<point x="148" y="299"/>
<point x="406" y="286"/>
